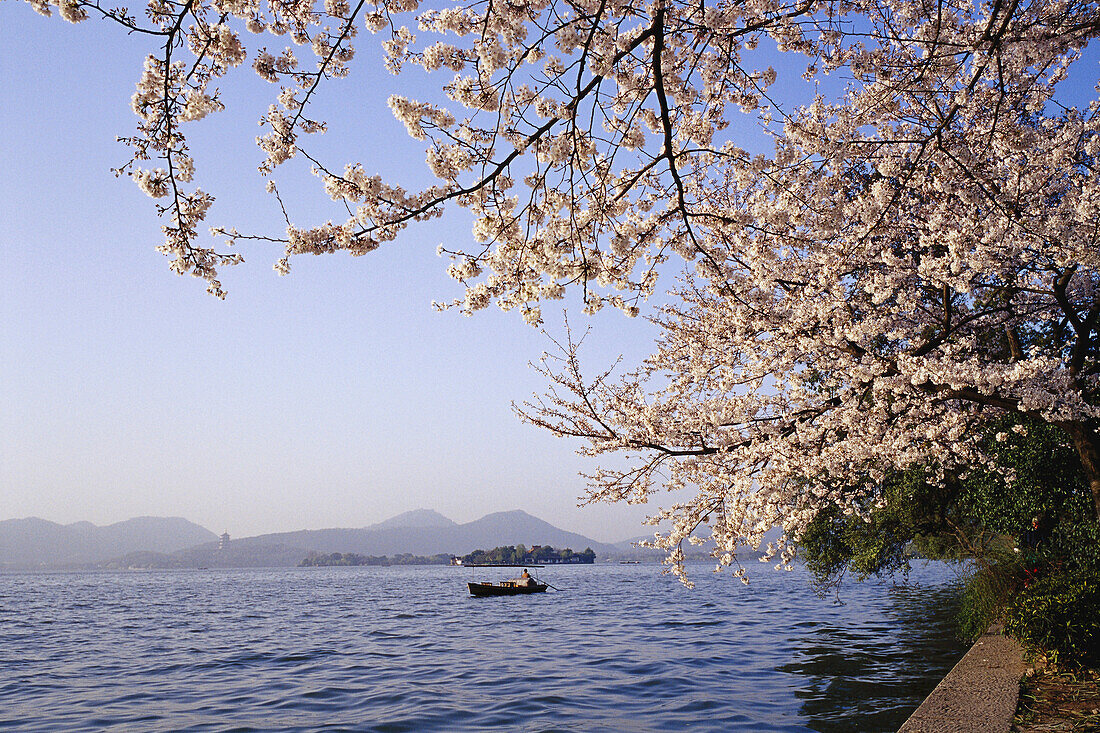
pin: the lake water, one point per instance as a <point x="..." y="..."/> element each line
<point x="619" y="648"/>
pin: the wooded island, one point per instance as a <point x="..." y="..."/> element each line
<point x="519" y="554"/>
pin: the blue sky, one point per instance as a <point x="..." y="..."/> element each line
<point x="333" y="397"/>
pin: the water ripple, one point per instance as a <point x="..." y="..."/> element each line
<point x="622" y="648"/>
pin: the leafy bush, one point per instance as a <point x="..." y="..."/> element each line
<point x="1047" y="479"/>
<point x="1059" y="615"/>
<point x="988" y="591"/>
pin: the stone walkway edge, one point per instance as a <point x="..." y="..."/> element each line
<point x="979" y="694"/>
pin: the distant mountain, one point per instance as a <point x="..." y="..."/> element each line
<point x="510" y="528"/>
<point x="34" y="542"/>
<point x="420" y="532"/>
<point x="415" y="518"/>
<point x="395" y="537"/>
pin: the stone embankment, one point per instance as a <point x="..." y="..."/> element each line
<point x="978" y="695"/>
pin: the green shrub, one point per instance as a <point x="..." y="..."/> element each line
<point x="1059" y="615"/>
<point x="986" y="595"/>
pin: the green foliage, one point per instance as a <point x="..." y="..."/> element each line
<point x="979" y="515"/>
<point x="1038" y="472"/>
<point x="503" y="555"/>
<point x="1059" y="615"/>
<point x="911" y="511"/>
<point x="985" y="596"/>
<point x="338" y="559"/>
<point x="1048" y="482"/>
<point x="542" y="553"/>
<point x="834" y="544"/>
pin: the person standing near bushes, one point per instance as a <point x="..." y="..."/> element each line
<point x="1031" y="540"/>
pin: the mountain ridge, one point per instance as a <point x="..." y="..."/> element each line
<point x="168" y="542"/>
<point x="37" y="542"/>
<point x="491" y="530"/>
<point x="414" y="518"/>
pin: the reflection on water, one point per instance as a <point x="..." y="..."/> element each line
<point x="871" y="676"/>
<point x="621" y="648"/>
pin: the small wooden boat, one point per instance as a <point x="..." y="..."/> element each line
<point x="513" y="587"/>
<point x="505" y="588"/>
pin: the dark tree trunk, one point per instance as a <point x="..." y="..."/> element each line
<point x="1087" y="442"/>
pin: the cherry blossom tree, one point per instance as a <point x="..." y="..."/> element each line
<point x="913" y="250"/>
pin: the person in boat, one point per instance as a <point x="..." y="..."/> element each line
<point x="525" y="578"/>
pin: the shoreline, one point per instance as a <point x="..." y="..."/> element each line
<point x="980" y="693"/>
